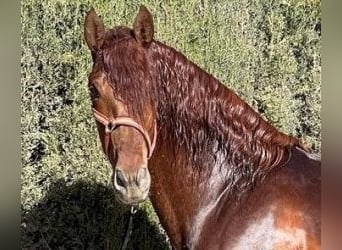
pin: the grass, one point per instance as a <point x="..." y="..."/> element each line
<point x="267" y="51"/>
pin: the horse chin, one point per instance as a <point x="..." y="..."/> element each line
<point x="128" y="201"/>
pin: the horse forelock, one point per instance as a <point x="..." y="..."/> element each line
<point x="128" y="71"/>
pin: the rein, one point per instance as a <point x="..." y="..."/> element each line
<point x="129" y="228"/>
<point x="114" y="123"/>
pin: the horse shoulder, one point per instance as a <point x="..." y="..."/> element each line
<point x="297" y="211"/>
<point x="282" y="212"/>
<point x="289" y="217"/>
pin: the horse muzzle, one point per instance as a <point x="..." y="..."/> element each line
<point x="132" y="187"/>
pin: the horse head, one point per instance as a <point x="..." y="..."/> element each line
<point x="119" y="86"/>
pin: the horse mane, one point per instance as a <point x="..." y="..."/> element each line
<point x="199" y="112"/>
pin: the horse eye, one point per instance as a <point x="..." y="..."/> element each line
<point x="94" y="93"/>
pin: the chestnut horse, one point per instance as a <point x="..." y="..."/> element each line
<point x="218" y="175"/>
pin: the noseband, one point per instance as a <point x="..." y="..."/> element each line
<point x="114" y="123"/>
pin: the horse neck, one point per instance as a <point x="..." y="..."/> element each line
<point x="209" y="138"/>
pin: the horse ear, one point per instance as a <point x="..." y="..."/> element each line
<point x="143" y="26"/>
<point x="94" y="30"/>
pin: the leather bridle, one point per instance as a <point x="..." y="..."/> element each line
<point x="113" y="123"/>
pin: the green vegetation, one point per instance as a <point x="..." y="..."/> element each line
<point x="267" y="51"/>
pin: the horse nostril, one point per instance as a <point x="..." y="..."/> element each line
<point x="119" y="179"/>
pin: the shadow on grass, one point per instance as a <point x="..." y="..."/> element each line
<point x="85" y="216"/>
